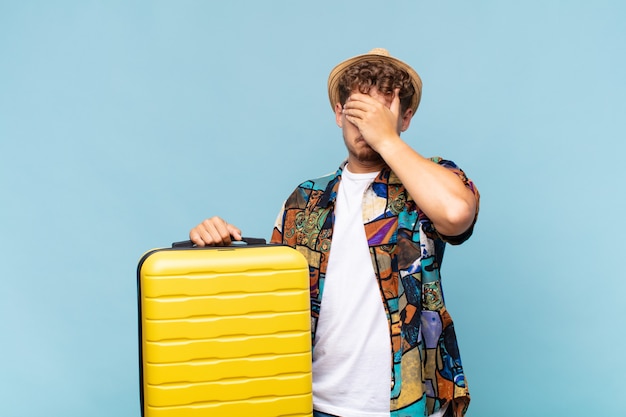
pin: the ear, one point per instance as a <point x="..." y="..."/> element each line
<point x="406" y="120"/>
<point x="339" y="114"/>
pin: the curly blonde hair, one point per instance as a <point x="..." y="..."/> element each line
<point x="381" y="74"/>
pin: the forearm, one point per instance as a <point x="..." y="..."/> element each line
<point x="437" y="191"/>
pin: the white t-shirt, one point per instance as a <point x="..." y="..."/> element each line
<point x="352" y="355"/>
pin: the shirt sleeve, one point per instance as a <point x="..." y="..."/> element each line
<point x="458" y="239"/>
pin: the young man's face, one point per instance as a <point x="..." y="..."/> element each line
<point x="360" y="154"/>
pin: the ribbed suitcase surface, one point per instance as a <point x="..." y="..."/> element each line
<point x="225" y="332"/>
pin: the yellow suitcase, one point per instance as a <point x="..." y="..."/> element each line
<point x="225" y="331"/>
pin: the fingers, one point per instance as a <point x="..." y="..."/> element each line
<point x="382" y="110"/>
<point x="359" y="105"/>
<point x="354" y="110"/>
<point x="366" y="102"/>
<point x="214" y="232"/>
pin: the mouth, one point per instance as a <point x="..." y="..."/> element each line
<point x="362" y="143"/>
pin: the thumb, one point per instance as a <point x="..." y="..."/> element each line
<point x="234" y="232"/>
<point x="395" y="102"/>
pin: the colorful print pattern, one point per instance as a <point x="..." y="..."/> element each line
<point x="406" y="253"/>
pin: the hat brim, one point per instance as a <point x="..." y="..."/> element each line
<point x="340" y="69"/>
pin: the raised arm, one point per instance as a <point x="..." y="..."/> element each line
<point x="442" y="194"/>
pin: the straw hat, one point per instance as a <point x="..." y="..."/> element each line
<point x="376" y="53"/>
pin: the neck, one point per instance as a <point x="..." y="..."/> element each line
<point x="364" y="167"/>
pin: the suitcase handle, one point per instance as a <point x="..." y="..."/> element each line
<point x="247" y="240"/>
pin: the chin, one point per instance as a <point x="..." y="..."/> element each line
<point x="369" y="156"/>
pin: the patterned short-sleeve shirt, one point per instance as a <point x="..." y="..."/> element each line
<point x="406" y="251"/>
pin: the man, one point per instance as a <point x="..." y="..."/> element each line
<point x="374" y="234"/>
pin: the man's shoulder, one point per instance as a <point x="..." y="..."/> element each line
<point x="442" y="161"/>
<point x="321" y="189"/>
<point x="319" y="183"/>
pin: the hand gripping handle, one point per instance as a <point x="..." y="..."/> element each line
<point x="247" y="240"/>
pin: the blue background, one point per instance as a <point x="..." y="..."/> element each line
<point x="125" y="123"/>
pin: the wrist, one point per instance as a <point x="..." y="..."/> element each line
<point x="391" y="147"/>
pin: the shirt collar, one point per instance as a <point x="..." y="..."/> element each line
<point x="385" y="178"/>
